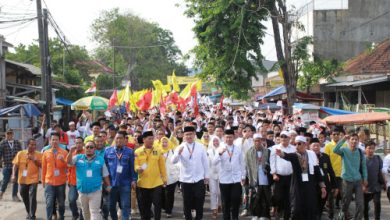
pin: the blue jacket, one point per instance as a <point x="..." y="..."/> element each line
<point x="94" y="168"/>
<point x="124" y="158"/>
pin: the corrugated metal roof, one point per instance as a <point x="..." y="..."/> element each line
<point x="31" y="68"/>
<point x="361" y="82"/>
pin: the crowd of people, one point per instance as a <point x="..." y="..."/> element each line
<point x="248" y="162"/>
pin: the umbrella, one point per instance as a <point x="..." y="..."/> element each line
<point x="90" y="103"/>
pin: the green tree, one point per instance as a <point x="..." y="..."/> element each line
<point x="143" y="51"/>
<point x="313" y="71"/>
<point x="229" y="34"/>
<point x="66" y="64"/>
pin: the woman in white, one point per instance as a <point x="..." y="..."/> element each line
<point x="172" y="177"/>
<point x="215" y="194"/>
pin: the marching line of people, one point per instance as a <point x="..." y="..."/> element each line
<point x="260" y="163"/>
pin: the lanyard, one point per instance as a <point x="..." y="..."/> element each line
<point x="167" y="154"/>
<point x="55" y="152"/>
<point x="191" y="151"/>
<point x="230" y="154"/>
<point x="119" y="156"/>
<point x="89" y="162"/>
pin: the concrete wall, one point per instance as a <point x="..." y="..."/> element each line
<point x="342" y="34"/>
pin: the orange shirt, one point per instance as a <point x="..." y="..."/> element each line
<point x="72" y="170"/>
<point x="27" y="167"/>
<point x="53" y="168"/>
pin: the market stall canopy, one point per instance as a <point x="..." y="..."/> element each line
<point x="29" y="110"/>
<point x="282" y="90"/>
<point x="269" y="106"/>
<point x="359" y="118"/>
<point x="333" y="111"/>
<point x="90" y="103"/>
<point x="63" y="101"/>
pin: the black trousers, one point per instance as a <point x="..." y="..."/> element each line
<point x="29" y="197"/>
<point x="377" y="204"/>
<point x="145" y="198"/>
<point x="193" y="196"/>
<point x="168" y="197"/>
<point x="282" y="196"/>
<point x="261" y="202"/>
<point x="230" y="197"/>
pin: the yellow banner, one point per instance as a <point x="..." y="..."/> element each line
<point x="183" y="80"/>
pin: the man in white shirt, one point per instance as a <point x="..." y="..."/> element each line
<point x="193" y="173"/>
<point x="281" y="171"/>
<point x="72" y="134"/>
<point x="232" y="175"/>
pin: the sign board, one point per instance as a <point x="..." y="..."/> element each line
<point x="182" y="80"/>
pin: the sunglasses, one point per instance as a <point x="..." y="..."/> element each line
<point x="283" y="136"/>
<point x="89" y="147"/>
<point x="299" y="143"/>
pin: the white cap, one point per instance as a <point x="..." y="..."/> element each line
<point x="71" y="123"/>
<point x="285" y="133"/>
<point x="293" y="132"/>
<point x="300" y="139"/>
<point x="257" y="135"/>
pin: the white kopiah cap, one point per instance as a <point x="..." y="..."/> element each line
<point x="285" y="133"/>
<point x="257" y="135"/>
<point x="300" y="139"/>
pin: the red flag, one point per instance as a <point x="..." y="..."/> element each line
<point x="113" y="99"/>
<point x="221" y="102"/>
<point x="145" y="101"/>
<point x="163" y="106"/>
<point x="196" y="107"/>
<point x="92" y="89"/>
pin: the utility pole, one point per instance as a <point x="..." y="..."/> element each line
<point x="47" y="67"/>
<point x="42" y="49"/>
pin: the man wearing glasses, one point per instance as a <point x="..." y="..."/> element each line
<point x="90" y="170"/>
<point x="281" y="171"/>
<point x="335" y="161"/>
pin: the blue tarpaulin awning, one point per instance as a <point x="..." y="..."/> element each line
<point x="332" y="111"/>
<point x="62" y="101"/>
<point x="277" y="91"/>
<point x="29" y="110"/>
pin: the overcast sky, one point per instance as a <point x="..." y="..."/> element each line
<point x="75" y="17"/>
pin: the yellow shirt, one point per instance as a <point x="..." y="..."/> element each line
<point x="22" y="161"/>
<point x="155" y="173"/>
<point x="335" y="159"/>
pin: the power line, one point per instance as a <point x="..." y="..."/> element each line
<point x="138" y="47"/>
<point x="17" y="20"/>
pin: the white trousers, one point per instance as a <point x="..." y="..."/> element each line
<point x="215" y="193"/>
<point x="90" y="204"/>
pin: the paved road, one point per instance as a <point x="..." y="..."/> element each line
<point x="10" y="210"/>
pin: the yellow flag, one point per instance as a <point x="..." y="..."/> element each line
<point x="175" y="85"/>
<point x="156" y="97"/>
<point x="186" y="92"/>
<point x="167" y="88"/>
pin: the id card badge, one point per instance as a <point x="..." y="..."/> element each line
<point x="119" y="169"/>
<point x="144" y="166"/>
<point x="56" y="172"/>
<point x="305" y="177"/>
<point x="24" y="174"/>
<point x="89" y="173"/>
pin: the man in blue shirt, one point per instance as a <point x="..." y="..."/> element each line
<point x="120" y="163"/>
<point x="90" y="170"/>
